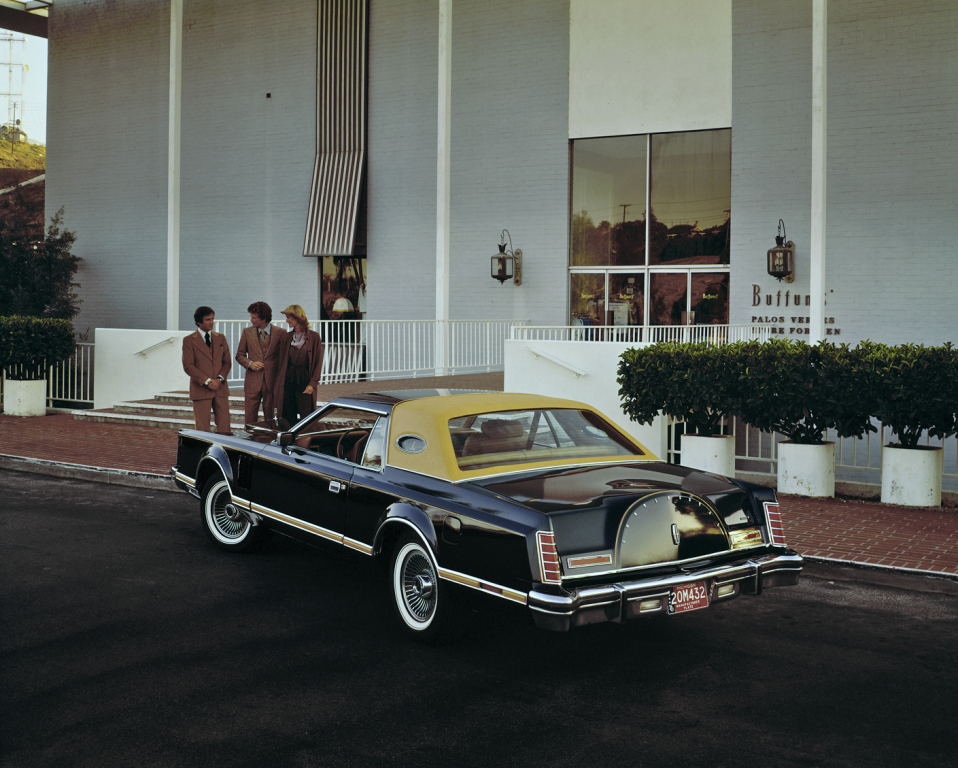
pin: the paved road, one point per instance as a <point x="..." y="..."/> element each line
<point x="128" y="640"/>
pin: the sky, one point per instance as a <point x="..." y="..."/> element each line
<point x="32" y="112"/>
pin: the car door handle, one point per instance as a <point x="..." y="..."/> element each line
<point x="300" y="461"/>
<point x="335" y="486"/>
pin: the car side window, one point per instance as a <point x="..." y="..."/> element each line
<point x="338" y="432"/>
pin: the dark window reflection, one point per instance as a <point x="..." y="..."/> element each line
<point x="627" y="299"/>
<point x="608" y="201"/>
<point x="691" y="197"/>
<point x="710" y="298"/>
<point x="669" y="302"/>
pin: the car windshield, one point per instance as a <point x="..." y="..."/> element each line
<point x="522" y="437"/>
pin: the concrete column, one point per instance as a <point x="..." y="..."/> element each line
<point x="173" y="169"/>
<point x="443" y="141"/>
<point x="819" y="166"/>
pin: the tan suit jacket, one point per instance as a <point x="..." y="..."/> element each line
<point x="201" y="363"/>
<point x="249" y="351"/>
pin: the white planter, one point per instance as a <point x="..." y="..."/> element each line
<point x="911" y="476"/>
<point x="806" y="470"/>
<point x="24" y="398"/>
<point x="709" y="453"/>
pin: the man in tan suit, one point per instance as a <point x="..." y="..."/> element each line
<point x="258" y="353"/>
<point x="206" y="360"/>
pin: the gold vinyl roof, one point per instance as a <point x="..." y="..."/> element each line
<point x="429" y="418"/>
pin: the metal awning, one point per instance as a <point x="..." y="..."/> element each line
<point x="28" y="17"/>
<point x="340" y="129"/>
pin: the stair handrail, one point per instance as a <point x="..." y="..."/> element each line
<point x="537" y="353"/>
<point x="147" y="350"/>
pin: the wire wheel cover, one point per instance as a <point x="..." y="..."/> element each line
<point x="227" y="519"/>
<point x="418" y="585"/>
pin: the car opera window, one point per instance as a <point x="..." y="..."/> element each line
<point x="649" y="229"/>
<point x="520" y="437"/>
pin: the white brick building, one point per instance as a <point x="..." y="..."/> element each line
<point x="552" y="102"/>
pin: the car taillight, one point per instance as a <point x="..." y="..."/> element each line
<point x="548" y="557"/>
<point x="776" y="533"/>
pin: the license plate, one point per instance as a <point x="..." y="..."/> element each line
<point x="689" y="597"/>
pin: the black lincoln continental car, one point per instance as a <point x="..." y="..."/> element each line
<point x="538" y="501"/>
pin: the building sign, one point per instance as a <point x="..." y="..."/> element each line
<point x="787" y="324"/>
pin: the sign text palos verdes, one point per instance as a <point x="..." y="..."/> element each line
<point x="797" y="324"/>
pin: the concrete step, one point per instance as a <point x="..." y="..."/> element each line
<point x="183" y="398"/>
<point x="146" y="419"/>
<point x="167" y="410"/>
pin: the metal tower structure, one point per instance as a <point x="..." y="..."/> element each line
<point x="12" y="75"/>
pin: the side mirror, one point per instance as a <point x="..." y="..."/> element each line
<point x="285" y="439"/>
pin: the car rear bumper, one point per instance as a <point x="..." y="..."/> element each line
<point x="628" y="600"/>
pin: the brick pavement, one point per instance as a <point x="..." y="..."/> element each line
<point x="831" y="530"/>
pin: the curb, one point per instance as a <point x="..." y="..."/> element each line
<point x="124" y="477"/>
<point x="880" y="575"/>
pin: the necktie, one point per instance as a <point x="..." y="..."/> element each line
<point x="262" y="335"/>
<point x="208" y="342"/>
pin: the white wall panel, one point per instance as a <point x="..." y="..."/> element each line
<point x="648" y="66"/>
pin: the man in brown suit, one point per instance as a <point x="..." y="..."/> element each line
<point x="258" y="353"/>
<point x="207" y="361"/>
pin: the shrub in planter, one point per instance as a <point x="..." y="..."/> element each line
<point x="695" y="382"/>
<point x="801" y="390"/>
<point x="30" y="345"/>
<point x="914" y="388"/>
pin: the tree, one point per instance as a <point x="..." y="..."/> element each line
<point x="37" y="269"/>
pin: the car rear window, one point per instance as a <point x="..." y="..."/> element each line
<point x="521" y="437"/>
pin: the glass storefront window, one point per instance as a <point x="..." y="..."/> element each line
<point x="344" y="281"/>
<point x="680" y="182"/>
<point x="626" y="299"/>
<point x="669" y="302"/>
<point x="709" y="298"/>
<point x="608" y="201"/>
<point x="691" y="197"/>
<point x="587" y="298"/>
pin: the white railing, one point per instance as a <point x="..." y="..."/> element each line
<point x="356" y="350"/>
<point x="649" y="334"/>
<point x="71" y="380"/>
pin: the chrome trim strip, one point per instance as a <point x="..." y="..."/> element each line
<point x="184" y="478"/>
<point x="239" y="500"/>
<point x="483" y="586"/>
<point x="640" y="568"/>
<point x="359" y="546"/>
<point x="650" y="596"/>
<point x="296" y="523"/>
<point x="615" y="460"/>
<point x="590" y="597"/>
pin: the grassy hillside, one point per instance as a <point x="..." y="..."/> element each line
<point x="19" y="162"/>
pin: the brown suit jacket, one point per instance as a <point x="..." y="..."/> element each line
<point x="249" y="351"/>
<point x="201" y="363"/>
<point x="314" y="353"/>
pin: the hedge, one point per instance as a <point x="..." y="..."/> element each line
<point x="30" y="345"/>
<point x="796" y="389"/>
<point x="694" y="382"/>
<point x="914" y="388"/>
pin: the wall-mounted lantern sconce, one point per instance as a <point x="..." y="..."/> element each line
<point x="781" y="258"/>
<point x="507" y="265"/>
